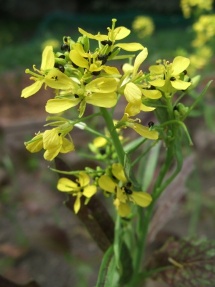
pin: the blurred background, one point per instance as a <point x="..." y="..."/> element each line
<point x="39" y="237"/>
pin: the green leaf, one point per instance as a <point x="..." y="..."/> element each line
<point x="147" y="170"/>
<point x="108" y="274"/>
<point x="126" y="265"/>
<point x="185" y="263"/>
<point x="161" y="112"/>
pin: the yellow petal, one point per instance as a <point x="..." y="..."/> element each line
<point x="132" y="93"/>
<point x="84" y="179"/>
<point x="133" y="109"/>
<point x="102" y="85"/>
<point x="32" y="89"/>
<point x="80" y="49"/>
<point x="51" y="139"/>
<point x="145" y="132"/>
<point x="55" y="106"/>
<point x="51" y="153"/>
<point x="106" y="100"/>
<point x="58" y="80"/>
<point x="78" y="60"/>
<point x="157" y="83"/>
<point x="95" y="68"/>
<point x="179" y="65"/>
<point x="141" y="198"/>
<point x="48" y="58"/>
<point x="152" y="94"/>
<point x="110" y="70"/>
<point x="107" y="184"/>
<point x="157" y="69"/>
<point x="77" y="204"/>
<point x="127" y="68"/>
<point x="180" y="85"/>
<point x="89" y="191"/>
<point x="139" y="59"/>
<point x="118" y="172"/>
<point x="36" y="144"/>
<point x="123" y="209"/>
<point x="98" y="37"/>
<point x="130" y="46"/>
<point x="119" y="33"/>
<point x="121" y="195"/>
<point x="66" y="185"/>
<point x="67" y="146"/>
<point x="145" y="108"/>
<point x="99" y="142"/>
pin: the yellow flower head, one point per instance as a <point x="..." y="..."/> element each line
<point x="113" y="35"/>
<point x="48" y="75"/>
<point x="99" y="92"/>
<point x="205" y="30"/>
<point x="135" y="87"/>
<point x="92" y="62"/>
<point x="52" y="141"/>
<point x="143" y="26"/>
<point x="80" y="187"/>
<point x="122" y="191"/>
<point x="99" y="147"/>
<point x="169" y="77"/>
<point x="144" y="131"/>
<point x="188" y="5"/>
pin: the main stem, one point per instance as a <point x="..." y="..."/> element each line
<point x="144" y="224"/>
<point x="114" y="136"/>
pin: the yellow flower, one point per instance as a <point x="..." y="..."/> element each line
<point x="134" y="109"/>
<point x="80" y="187"/>
<point x="113" y="35"/>
<point x="52" y="141"/>
<point x="99" y="92"/>
<point x="168" y="77"/>
<point x="144" y="131"/>
<point x="189" y="5"/>
<point x="143" y="26"/>
<point x="98" y="146"/>
<point x="47" y="75"/>
<point x="205" y="30"/>
<point x="200" y="58"/>
<point x="134" y="87"/>
<point x="122" y="191"/>
<point x="92" y="62"/>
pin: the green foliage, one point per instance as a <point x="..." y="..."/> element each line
<point x="108" y="275"/>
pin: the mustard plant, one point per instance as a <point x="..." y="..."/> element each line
<point x="137" y="122"/>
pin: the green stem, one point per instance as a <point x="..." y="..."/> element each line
<point x="170" y="122"/>
<point x="143" y="154"/>
<point x="144" y="222"/>
<point x="114" y="136"/>
<point x="143" y="229"/>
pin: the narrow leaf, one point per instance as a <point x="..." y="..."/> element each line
<point x="108" y="275"/>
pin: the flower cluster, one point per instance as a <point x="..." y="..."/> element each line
<point x="204" y="29"/>
<point x="122" y="190"/>
<point x="202" y="5"/>
<point x="81" y="76"/>
<point x="143" y="26"/>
